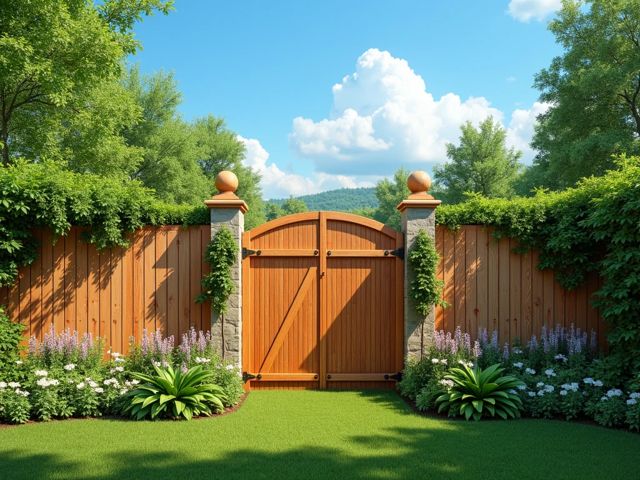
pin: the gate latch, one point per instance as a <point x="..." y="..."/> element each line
<point x="246" y="376"/>
<point x="246" y="252"/>
<point x="393" y="376"/>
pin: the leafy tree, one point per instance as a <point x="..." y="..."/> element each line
<point x="594" y="91"/>
<point x="390" y="193"/>
<point x="288" y="207"/>
<point x="481" y="163"/>
<point x="54" y="54"/>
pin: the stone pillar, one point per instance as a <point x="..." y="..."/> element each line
<point x="227" y="210"/>
<point x="418" y="213"/>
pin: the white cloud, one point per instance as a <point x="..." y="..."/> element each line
<point x="527" y="10"/>
<point x="383" y="117"/>
<point x="520" y="129"/>
<point x="279" y="184"/>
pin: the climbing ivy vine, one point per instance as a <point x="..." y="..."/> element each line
<point x="426" y="287"/>
<point x="221" y="255"/>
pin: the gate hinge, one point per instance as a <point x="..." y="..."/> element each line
<point x="246" y="252"/>
<point x="398" y="252"/>
<point x="393" y="376"/>
<point x="246" y="376"/>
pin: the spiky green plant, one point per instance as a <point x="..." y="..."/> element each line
<point x="172" y="393"/>
<point x="474" y="392"/>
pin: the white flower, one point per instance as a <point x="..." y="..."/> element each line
<point x="202" y="360"/>
<point x="446" y="382"/>
<point x="541" y="393"/>
<point x="24" y="393"/>
<point x="123" y="391"/>
<point x="19" y="362"/>
<point x="516" y="351"/>
<point x="540" y="384"/>
<point x="549" y="372"/>
<point x="135" y="382"/>
<point x="116" y="369"/>
<point x="549" y="388"/>
<point x="44" y="382"/>
<point x="14" y="385"/>
<point x="614" y="392"/>
<point x="530" y="371"/>
<point x="532" y="394"/>
<point x="635" y="395"/>
<point x="597" y="383"/>
<point x="588" y="380"/>
<point x="632" y="401"/>
<point x="116" y="355"/>
<point x="230" y="367"/>
<point x="522" y="386"/>
<point x="563" y="392"/>
<point x="443" y="361"/>
<point x="604" y="398"/>
<point x="111" y="381"/>
<point x="69" y="367"/>
<point x="41" y="373"/>
<point x="518" y="364"/>
<point x="120" y="360"/>
<point x="92" y="384"/>
<point x="560" y="357"/>
<point x="3" y="384"/>
<point x="433" y="360"/>
<point x="80" y="386"/>
<point x="98" y="389"/>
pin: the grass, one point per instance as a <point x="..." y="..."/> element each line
<point x="316" y="435"/>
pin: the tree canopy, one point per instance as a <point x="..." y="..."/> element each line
<point x="481" y="163"/>
<point x="594" y="92"/>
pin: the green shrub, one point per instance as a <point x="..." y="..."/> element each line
<point x="10" y="338"/>
<point x="14" y="404"/>
<point x="171" y="393"/>
<point x="473" y="392"/>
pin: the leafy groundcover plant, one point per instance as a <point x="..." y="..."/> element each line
<point x="174" y="394"/>
<point x="475" y="393"/>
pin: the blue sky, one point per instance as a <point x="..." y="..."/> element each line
<point x="408" y="74"/>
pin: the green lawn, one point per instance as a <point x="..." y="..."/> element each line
<point x="307" y="434"/>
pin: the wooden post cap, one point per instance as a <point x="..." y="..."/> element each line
<point x="226" y="181"/>
<point x="419" y="182"/>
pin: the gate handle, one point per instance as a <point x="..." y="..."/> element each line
<point x="316" y="252"/>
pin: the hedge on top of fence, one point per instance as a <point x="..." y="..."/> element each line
<point x="594" y="226"/>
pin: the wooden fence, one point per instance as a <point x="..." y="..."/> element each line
<point x="489" y="286"/>
<point x="116" y="293"/>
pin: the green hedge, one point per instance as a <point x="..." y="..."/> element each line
<point x="45" y="195"/>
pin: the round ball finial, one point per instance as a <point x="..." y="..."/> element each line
<point x="419" y="182"/>
<point x="226" y="181"/>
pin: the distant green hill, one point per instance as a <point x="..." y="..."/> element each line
<point x="341" y="200"/>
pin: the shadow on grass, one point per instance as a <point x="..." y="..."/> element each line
<point x="432" y="449"/>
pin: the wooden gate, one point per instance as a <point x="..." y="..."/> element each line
<point x="322" y="302"/>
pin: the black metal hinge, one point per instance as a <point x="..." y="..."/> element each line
<point x="394" y="376"/>
<point x="246" y="252"/>
<point x="246" y="376"/>
<point x="398" y="252"/>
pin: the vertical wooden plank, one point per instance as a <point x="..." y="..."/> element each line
<point x="81" y="284"/>
<point x="24" y="282"/>
<point x="322" y="314"/>
<point x="115" y="327"/>
<point x="185" y="300"/>
<point x="247" y="317"/>
<point x="548" y="285"/>
<point x="399" y="303"/>
<point x="559" y="303"/>
<point x="128" y="287"/>
<point x="581" y="306"/>
<point x="504" y="286"/>
<point x="36" y="289"/>
<point x="526" y="324"/>
<point x="439" y="234"/>
<point x="47" y="281"/>
<point x="57" y="291"/>
<point x="471" y="260"/>
<point x="448" y="259"/>
<point x="570" y="307"/>
<point x="104" y="297"/>
<point x="482" y="279"/>
<point x="172" y="276"/>
<point x="195" y="277"/>
<point x="70" y="288"/>
<point x="538" y="295"/>
<point x="493" y="284"/>
<point x="515" y="293"/>
<point x="94" y="290"/>
<point x="13" y="302"/>
<point x="459" y="279"/>
<point x="138" y="292"/>
<point x="149" y="260"/>
<point x="161" y="281"/>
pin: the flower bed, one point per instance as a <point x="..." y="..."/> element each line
<point x="67" y="375"/>
<point x="561" y="373"/>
